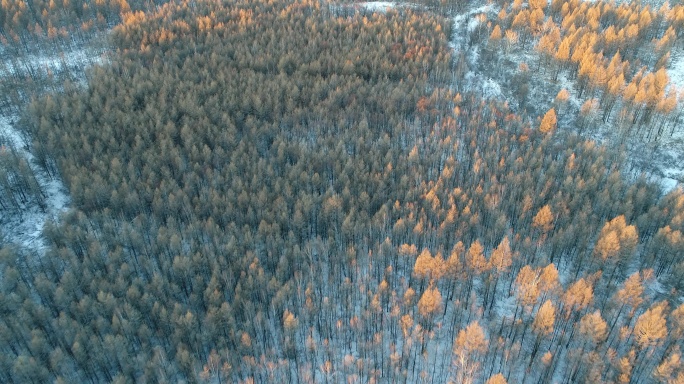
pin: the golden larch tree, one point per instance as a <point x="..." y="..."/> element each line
<point x="593" y="327"/>
<point x="424" y="264"/>
<point x="543" y="219"/>
<point x="475" y="259"/>
<point x="542" y="325"/>
<point x="545" y="318"/>
<point x="497" y="379"/>
<point x="526" y="286"/>
<point x="577" y="297"/>
<point x="651" y="327"/>
<point x="430" y="302"/>
<point x="502" y="257"/>
<point x="470" y="344"/>
<point x="496" y="34"/>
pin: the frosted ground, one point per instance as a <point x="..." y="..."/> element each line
<point x="663" y="162"/>
<point x="24" y="227"/>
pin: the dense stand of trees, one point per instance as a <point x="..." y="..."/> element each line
<point x="269" y="191"/>
<point x="43" y="43"/>
<point x="28" y="22"/>
<point x="18" y="183"/>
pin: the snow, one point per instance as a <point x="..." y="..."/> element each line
<point x="668" y="184"/>
<point x="71" y="62"/>
<point x="463" y="25"/>
<point x="676" y="72"/>
<point x="379" y="5"/>
<point x="491" y="89"/>
<point x="10" y="135"/>
<point x="471" y="22"/>
<point x="25" y="227"/>
<point x="76" y="58"/>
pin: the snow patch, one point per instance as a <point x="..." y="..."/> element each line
<point x="676" y="72"/>
<point x="491" y="89"/>
<point x="470" y="20"/>
<point x="473" y="23"/>
<point x="25" y="227"/>
<point x="668" y="184"/>
<point x="379" y="6"/>
<point x="72" y="62"/>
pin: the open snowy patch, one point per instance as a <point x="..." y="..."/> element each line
<point x="23" y="223"/>
<point x="464" y="23"/>
<point x="73" y="60"/>
<point x="70" y="63"/>
<point x="379" y="5"/>
<point x="668" y="184"/>
<point x="676" y="72"/>
<point x="491" y="89"/>
<point x="24" y="226"/>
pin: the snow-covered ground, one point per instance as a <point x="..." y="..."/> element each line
<point x="673" y="148"/>
<point x="466" y="22"/>
<point x="76" y="59"/>
<point x="72" y="63"/>
<point x="676" y="71"/>
<point x="463" y="25"/>
<point x="24" y="227"/>
<point x="379" y="5"/>
<point x="664" y="162"/>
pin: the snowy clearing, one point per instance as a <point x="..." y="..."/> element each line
<point x="72" y="63"/>
<point x="25" y="227"/>
<point x="676" y="71"/>
<point x="379" y="5"/>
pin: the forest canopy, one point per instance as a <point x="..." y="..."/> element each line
<point x="291" y="191"/>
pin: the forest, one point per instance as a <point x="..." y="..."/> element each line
<point x="305" y="191"/>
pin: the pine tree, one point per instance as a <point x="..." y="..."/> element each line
<point x="543" y="220"/>
<point x="542" y="326"/>
<point x="593" y="327"/>
<point x="651" y="327"/>
<point x="470" y="344"/>
<point x="429" y="304"/>
<point x="424" y="266"/>
<point x="616" y="244"/>
<point x="497" y="379"/>
<point x="548" y="123"/>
